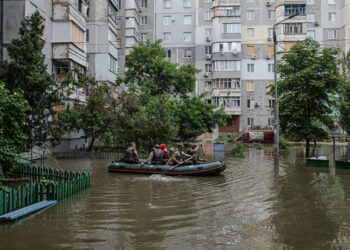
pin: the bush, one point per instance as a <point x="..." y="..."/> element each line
<point x="283" y="142"/>
<point x="232" y="137"/>
<point x="257" y="146"/>
<point x="238" y="149"/>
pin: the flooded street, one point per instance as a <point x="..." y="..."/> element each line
<point x="251" y="205"/>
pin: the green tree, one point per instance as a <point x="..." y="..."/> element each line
<point x="96" y="116"/>
<point x="26" y="71"/>
<point x="309" y="76"/>
<point x="344" y="93"/>
<point x="13" y="126"/>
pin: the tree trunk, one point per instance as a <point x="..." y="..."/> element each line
<point x="307" y="147"/>
<point x="315" y="143"/>
<point x="92" y="143"/>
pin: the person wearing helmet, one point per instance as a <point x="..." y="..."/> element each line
<point x="179" y="156"/>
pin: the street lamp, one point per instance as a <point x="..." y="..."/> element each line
<point x="277" y="120"/>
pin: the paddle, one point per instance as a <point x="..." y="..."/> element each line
<point x="205" y="156"/>
<point x="172" y="168"/>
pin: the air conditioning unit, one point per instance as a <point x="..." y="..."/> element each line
<point x="173" y="19"/>
<point x="316" y="23"/>
<point x="269" y="38"/>
<point x="268" y="57"/>
<point x="206" y="74"/>
<point x="257" y="105"/>
<point x="208" y="39"/>
<point x="208" y="57"/>
<point x="235" y="51"/>
<point x="268" y="3"/>
<point x="253" y="56"/>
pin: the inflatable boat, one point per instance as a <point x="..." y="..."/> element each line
<point x="204" y="169"/>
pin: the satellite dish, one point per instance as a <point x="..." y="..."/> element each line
<point x="235" y="51"/>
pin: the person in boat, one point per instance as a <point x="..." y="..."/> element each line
<point x="155" y="156"/>
<point x="131" y="155"/>
<point x="165" y="153"/>
<point x="193" y="151"/>
<point x="179" y="156"/>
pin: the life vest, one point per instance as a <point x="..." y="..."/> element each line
<point x="129" y="156"/>
<point x="181" y="157"/>
<point x="157" y="156"/>
<point x="165" y="154"/>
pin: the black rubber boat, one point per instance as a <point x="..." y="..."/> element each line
<point x="204" y="169"/>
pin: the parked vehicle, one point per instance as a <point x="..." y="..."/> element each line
<point x="260" y="136"/>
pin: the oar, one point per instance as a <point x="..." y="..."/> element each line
<point x="172" y="168"/>
<point x="205" y="156"/>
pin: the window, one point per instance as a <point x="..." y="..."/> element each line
<point x="331" y="16"/>
<point x="207" y="15"/>
<point x="187" y="36"/>
<point x="250" y="50"/>
<point x="270" y="32"/>
<point x="144" y="20"/>
<point x="208" y="33"/>
<point x="144" y="37"/>
<point x="271" y="103"/>
<point x="270" y="67"/>
<point x="250" y="103"/>
<point x="332" y="34"/>
<point x="291" y="9"/>
<point x="78" y="36"/>
<point x="293" y="28"/>
<point x="207" y="1"/>
<point x="310" y="2"/>
<point x="208" y="50"/>
<point x="166" y="20"/>
<point x="250" y="15"/>
<point x="250" y="122"/>
<point x="166" y="4"/>
<point x="144" y="3"/>
<point x="187" y="53"/>
<point x="270" y="51"/>
<point x="331" y="1"/>
<point x="232" y="27"/>
<point x="250" y="67"/>
<point x="250" y="32"/>
<point x="310" y="33"/>
<point x="231" y="101"/>
<point x="187" y="20"/>
<point x="227" y="83"/>
<point x="216" y="100"/>
<point x="208" y="85"/>
<point x="270" y="121"/>
<point x="226" y="65"/>
<point x="112" y="12"/>
<point x="232" y="11"/>
<point x="250" y="86"/>
<point x="113" y="63"/>
<point x="167" y="36"/>
<point x="187" y="3"/>
<point x="271" y="14"/>
<point x="208" y="68"/>
<point x="310" y="17"/>
<point x="168" y="53"/>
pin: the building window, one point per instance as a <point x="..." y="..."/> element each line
<point x="271" y="14"/>
<point x="208" y="50"/>
<point x="112" y="12"/>
<point x="270" y="121"/>
<point x="293" y="28"/>
<point x="271" y="103"/>
<point x="187" y="3"/>
<point x="232" y="27"/>
<point x="250" y="15"/>
<point x="208" y="85"/>
<point x="167" y="37"/>
<point x="208" y="33"/>
<point x="166" y="4"/>
<point x="187" y="53"/>
<point x="291" y="9"/>
<point x="166" y="20"/>
<point x="231" y="101"/>
<point x="113" y="38"/>
<point x="144" y="20"/>
<point x="216" y="100"/>
<point x="250" y="86"/>
<point x="144" y="3"/>
<point x="250" y="32"/>
<point x="250" y="122"/>
<point x="78" y="36"/>
<point x="208" y="68"/>
<point x="270" y="32"/>
<point x="331" y="16"/>
<point x="187" y="36"/>
<point x="332" y="34"/>
<point x="270" y="67"/>
<point x="270" y="50"/>
<point x="187" y="20"/>
<point x="226" y="65"/>
<point x="232" y="11"/>
<point x="168" y="53"/>
<point x="227" y="83"/>
<point x="113" y="64"/>
<point x="250" y="67"/>
<point x="310" y="33"/>
<point x="250" y="103"/>
<point x="207" y="15"/>
<point x="250" y="50"/>
<point x="207" y="1"/>
<point x="310" y="17"/>
<point x="331" y="2"/>
<point x="144" y="37"/>
<point x="310" y="2"/>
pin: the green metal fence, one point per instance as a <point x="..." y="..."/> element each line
<point x="48" y="184"/>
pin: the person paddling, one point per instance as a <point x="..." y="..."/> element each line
<point x="155" y="156"/>
<point x="179" y="156"/>
<point x="131" y="155"/>
<point x="194" y="153"/>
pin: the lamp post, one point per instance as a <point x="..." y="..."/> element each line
<point x="277" y="120"/>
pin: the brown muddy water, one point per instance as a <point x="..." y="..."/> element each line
<point x="252" y="205"/>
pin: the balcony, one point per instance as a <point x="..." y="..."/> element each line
<point x="63" y="10"/>
<point x="217" y="3"/>
<point x="68" y="51"/>
<point x="232" y="11"/>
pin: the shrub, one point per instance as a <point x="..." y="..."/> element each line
<point x="238" y="149"/>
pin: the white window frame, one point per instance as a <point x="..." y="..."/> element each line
<point x="166" y="20"/>
<point x="310" y="2"/>
<point x="250" y="122"/>
<point x="208" y="15"/>
<point x="332" y="16"/>
<point x="250" y="32"/>
<point x="113" y="64"/>
<point x="271" y="14"/>
<point x="144" y="20"/>
<point x="167" y="35"/>
<point x="309" y="32"/>
<point x="188" y="36"/>
<point x="187" y="53"/>
<point x="332" y="34"/>
<point x="187" y="3"/>
<point x="166" y="4"/>
<point x="232" y="27"/>
<point x="187" y="19"/>
<point x="332" y="2"/>
<point x="311" y="17"/>
<point x="250" y="67"/>
<point x="250" y="15"/>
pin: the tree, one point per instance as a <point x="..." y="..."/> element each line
<point x="13" y="126"/>
<point x="149" y="69"/>
<point x="26" y="71"/>
<point x="344" y="92"/>
<point x="96" y="116"/>
<point x="309" y="76"/>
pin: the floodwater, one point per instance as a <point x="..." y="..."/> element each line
<point x="252" y="205"/>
